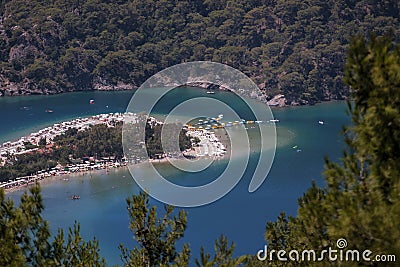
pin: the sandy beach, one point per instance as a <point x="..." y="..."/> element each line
<point x="57" y="176"/>
<point x="213" y="144"/>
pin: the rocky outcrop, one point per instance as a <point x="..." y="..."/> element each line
<point x="208" y="86"/>
<point x="102" y="85"/>
<point x="277" y="101"/>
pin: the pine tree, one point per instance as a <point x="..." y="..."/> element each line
<point x="24" y="237"/>
<point x="156" y="237"/>
<point x="361" y="199"/>
<point x="223" y="256"/>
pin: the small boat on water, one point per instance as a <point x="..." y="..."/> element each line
<point x="91" y="101"/>
<point x="274" y="120"/>
<point x="210" y="92"/>
<point x="75" y="197"/>
<point x="321" y="122"/>
<point x="49" y="111"/>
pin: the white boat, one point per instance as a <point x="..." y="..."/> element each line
<point x="210" y="92"/>
<point x="321" y="122"/>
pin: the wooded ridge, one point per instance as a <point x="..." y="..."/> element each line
<point x="290" y="47"/>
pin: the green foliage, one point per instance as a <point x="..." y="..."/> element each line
<point x="121" y="66"/>
<point x="156" y="135"/>
<point x="29" y="145"/>
<point x="361" y="199"/>
<point x="26" y="164"/>
<point x="97" y="141"/>
<point x="76" y="252"/>
<point x="24" y="237"/>
<point x="52" y="46"/>
<point x="223" y="255"/>
<point x="42" y="142"/>
<point x="156" y="237"/>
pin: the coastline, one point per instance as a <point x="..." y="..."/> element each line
<point x="95" y="172"/>
<point x="200" y="85"/>
<point x="59" y="176"/>
<point x="165" y="160"/>
<point x="208" y="138"/>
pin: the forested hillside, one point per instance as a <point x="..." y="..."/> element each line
<point x="293" y="47"/>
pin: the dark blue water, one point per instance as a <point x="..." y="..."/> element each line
<point x="21" y="115"/>
<point x="239" y="215"/>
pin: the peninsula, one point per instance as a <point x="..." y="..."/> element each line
<point x="92" y="143"/>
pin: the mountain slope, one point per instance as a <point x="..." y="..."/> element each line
<point x="292" y="47"/>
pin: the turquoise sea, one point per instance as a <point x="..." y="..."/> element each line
<point x="241" y="216"/>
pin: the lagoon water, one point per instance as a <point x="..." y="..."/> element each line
<point x="241" y="216"/>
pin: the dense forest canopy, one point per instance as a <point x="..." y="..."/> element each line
<point x="294" y="47"/>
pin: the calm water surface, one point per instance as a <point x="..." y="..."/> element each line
<point x="240" y="216"/>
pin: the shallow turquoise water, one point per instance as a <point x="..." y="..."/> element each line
<point x="240" y="216"/>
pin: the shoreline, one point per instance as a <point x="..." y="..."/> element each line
<point x="209" y="140"/>
<point x="220" y="133"/>
<point x="49" y="180"/>
<point x="67" y="176"/>
<point x="57" y="176"/>
<point x="188" y="86"/>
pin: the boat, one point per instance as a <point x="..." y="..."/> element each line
<point x="91" y="101"/>
<point x="210" y="92"/>
<point x="75" y="197"/>
<point x="321" y="122"/>
<point x="49" y="111"/>
<point x="274" y="120"/>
